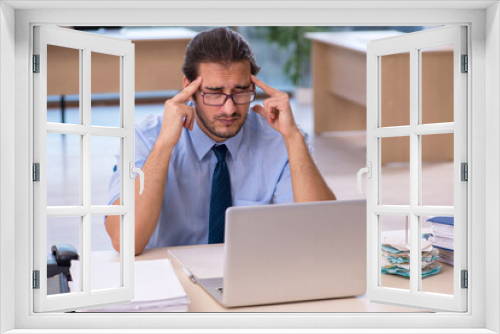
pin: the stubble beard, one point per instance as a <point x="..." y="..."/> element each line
<point x="210" y="128"/>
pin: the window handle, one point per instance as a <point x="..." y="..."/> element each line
<point x="139" y="171"/>
<point x="367" y="170"/>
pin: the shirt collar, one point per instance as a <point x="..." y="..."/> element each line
<point x="203" y="143"/>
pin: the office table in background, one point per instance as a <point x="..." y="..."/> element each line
<point x="339" y="90"/>
<point x="159" y="55"/>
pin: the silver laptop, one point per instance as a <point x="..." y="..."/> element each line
<point x="292" y="252"/>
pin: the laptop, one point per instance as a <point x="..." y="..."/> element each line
<point x="292" y="252"/>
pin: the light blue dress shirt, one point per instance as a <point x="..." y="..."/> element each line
<point x="258" y="166"/>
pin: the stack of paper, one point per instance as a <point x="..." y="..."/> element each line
<point x="156" y="286"/>
<point x="443" y="237"/>
<point x="396" y="258"/>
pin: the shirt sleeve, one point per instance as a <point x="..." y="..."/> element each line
<point x="145" y="137"/>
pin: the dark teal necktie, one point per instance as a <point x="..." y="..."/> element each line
<point x="220" y="197"/>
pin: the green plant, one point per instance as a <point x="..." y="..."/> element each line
<point x="293" y="40"/>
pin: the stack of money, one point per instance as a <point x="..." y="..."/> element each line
<point x="395" y="258"/>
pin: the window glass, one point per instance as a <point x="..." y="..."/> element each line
<point x="63" y="85"/>
<point x="437" y="169"/>
<point x="437" y="246"/>
<point x="64" y="233"/>
<point x="395" y="252"/>
<point x="63" y="169"/>
<point x="395" y="171"/>
<point x="105" y="89"/>
<point x="104" y="257"/>
<point x="104" y="152"/>
<point x="395" y="89"/>
<point x="437" y="84"/>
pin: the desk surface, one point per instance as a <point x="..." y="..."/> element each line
<point x="354" y="40"/>
<point x="210" y="265"/>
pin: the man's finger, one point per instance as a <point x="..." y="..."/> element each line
<point x="263" y="111"/>
<point x="265" y="87"/>
<point x="188" y="91"/>
<point x="258" y="109"/>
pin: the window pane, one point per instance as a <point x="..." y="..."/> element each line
<point x="104" y="164"/>
<point x="63" y="85"/>
<point x="395" y="171"/>
<point x="437" y="84"/>
<point x="104" y="257"/>
<point x="65" y="233"/>
<point x="437" y="265"/>
<point x="105" y="90"/>
<point x="395" y="252"/>
<point x="63" y="169"/>
<point x="395" y="89"/>
<point x="437" y="169"/>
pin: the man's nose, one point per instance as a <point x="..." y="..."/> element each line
<point x="229" y="107"/>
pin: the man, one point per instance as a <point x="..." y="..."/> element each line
<point x="208" y="151"/>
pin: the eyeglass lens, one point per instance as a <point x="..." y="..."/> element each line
<point x="220" y="99"/>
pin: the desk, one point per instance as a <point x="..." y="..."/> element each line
<point x="339" y="84"/>
<point x="211" y="265"/>
<point x="159" y="55"/>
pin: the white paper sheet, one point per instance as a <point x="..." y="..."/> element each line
<point x="156" y="285"/>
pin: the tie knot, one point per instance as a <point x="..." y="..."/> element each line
<point x="220" y="152"/>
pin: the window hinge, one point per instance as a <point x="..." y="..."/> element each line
<point x="465" y="279"/>
<point x="464" y="171"/>
<point x="36" y="279"/>
<point x="465" y="64"/>
<point x="36" y="172"/>
<point x="36" y="63"/>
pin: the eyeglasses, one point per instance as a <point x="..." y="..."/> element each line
<point x="219" y="99"/>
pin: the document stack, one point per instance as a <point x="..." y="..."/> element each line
<point x="156" y="286"/>
<point x="442" y="231"/>
<point x="395" y="258"/>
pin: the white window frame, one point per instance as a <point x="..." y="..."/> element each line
<point x="413" y="44"/>
<point x="86" y="44"/>
<point x="484" y="145"/>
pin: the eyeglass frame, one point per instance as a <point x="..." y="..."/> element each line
<point x="254" y="93"/>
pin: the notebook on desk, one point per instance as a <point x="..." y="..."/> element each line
<point x="287" y="252"/>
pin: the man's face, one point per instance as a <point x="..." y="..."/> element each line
<point x="222" y="122"/>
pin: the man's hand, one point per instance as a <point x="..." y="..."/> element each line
<point x="276" y="110"/>
<point x="177" y="114"/>
<point x="307" y="183"/>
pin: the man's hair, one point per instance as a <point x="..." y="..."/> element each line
<point x="218" y="45"/>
